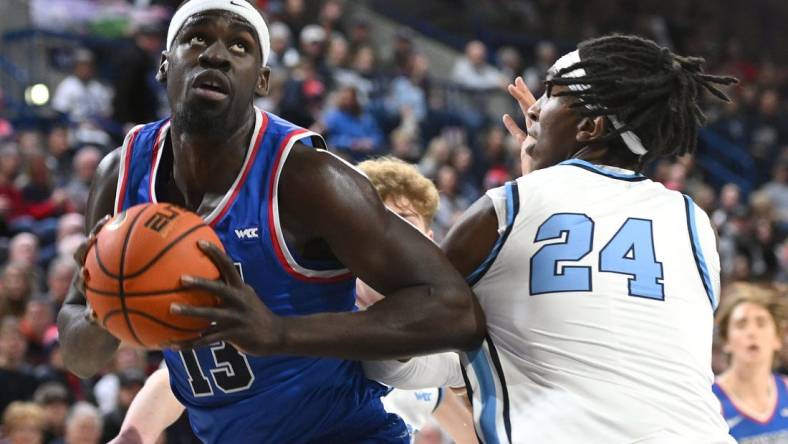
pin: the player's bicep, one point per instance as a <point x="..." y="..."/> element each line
<point x="471" y="240"/>
<point x="379" y="247"/>
<point x="101" y="200"/>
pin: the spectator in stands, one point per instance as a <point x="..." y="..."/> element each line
<point x="37" y="320"/>
<point x="59" y="150"/>
<point x="283" y="55"/>
<point x="131" y="381"/>
<point x="473" y="72"/>
<point x="18" y="382"/>
<point x="770" y="127"/>
<point x="54" y="400"/>
<point x="437" y="155"/>
<point x="24" y="249"/>
<point x="545" y="56"/>
<point x="777" y="190"/>
<point x="17" y="285"/>
<point x="509" y="62"/>
<point x="359" y="35"/>
<point x="85" y="163"/>
<point x="462" y="162"/>
<point x="452" y="202"/>
<point x="295" y="16"/>
<point x="330" y="17"/>
<point x="492" y="154"/>
<point x="313" y="48"/>
<point x="107" y="388"/>
<point x="83" y="424"/>
<point x="350" y="129"/>
<point x="137" y="93"/>
<point x="39" y="187"/>
<point x="23" y="423"/>
<point x="304" y="95"/>
<point x="730" y="199"/>
<point x="405" y="90"/>
<point x="61" y="270"/>
<point x="80" y="95"/>
<point x="399" y="61"/>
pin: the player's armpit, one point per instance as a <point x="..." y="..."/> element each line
<point x="321" y="197"/>
<point x="423" y="372"/>
<point x="87" y="347"/>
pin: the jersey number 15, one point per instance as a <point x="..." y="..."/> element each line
<point x="231" y="372"/>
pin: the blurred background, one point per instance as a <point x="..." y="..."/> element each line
<point x="423" y="81"/>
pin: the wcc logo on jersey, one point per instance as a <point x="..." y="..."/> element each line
<point x="247" y="233"/>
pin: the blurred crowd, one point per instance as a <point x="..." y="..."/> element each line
<point x="368" y="99"/>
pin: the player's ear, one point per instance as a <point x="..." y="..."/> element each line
<point x="161" y="73"/>
<point x="261" y="89"/>
<point x="590" y="129"/>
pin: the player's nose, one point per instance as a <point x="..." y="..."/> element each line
<point x="215" y="56"/>
<point x="534" y="110"/>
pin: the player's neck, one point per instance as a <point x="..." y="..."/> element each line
<point x="602" y="155"/>
<point x="203" y="166"/>
<point x="750" y="380"/>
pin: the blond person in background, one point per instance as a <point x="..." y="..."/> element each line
<point x="413" y="197"/>
<point x="753" y="398"/>
<point x="23" y="423"/>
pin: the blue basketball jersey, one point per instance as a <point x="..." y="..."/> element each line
<point x="750" y="430"/>
<point x="235" y="398"/>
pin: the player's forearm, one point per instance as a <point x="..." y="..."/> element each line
<point x="410" y="322"/>
<point x="153" y="410"/>
<point x="86" y="347"/>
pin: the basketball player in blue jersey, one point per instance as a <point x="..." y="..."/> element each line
<point x="598" y="285"/>
<point x="297" y="224"/>
<point x="754" y="399"/>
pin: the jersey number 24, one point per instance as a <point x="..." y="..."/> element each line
<point x="630" y="252"/>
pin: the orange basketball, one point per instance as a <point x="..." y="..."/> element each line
<point x="134" y="271"/>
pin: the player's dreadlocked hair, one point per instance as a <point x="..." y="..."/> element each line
<point x="653" y="91"/>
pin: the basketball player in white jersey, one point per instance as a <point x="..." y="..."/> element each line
<point x="598" y="285"/>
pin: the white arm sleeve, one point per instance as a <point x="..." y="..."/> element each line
<point x="418" y="373"/>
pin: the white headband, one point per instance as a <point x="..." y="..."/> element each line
<point x="631" y="139"/>
<point x="239" y="7"/>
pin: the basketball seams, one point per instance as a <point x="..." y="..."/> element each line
<point x="164" y="250"/>
<point x="121" y="289"/>
<point x="137" y="294"/>
<point x="141" y="313"/>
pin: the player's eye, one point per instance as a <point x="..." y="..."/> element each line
<point x="239" y="47"/>
<point x="197" y="40"/>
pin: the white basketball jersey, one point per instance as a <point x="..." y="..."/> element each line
<point x="415" y="407"/>
<point x="599" y="297"/>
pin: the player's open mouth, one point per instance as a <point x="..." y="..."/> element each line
<point x="210" y="86"/>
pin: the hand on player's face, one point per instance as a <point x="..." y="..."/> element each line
<point x="242" y="320"/>
<point x="525" y="99"/>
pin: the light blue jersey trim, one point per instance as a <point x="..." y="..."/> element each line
<point x="700" y="261"/>
<point x="512" y="208"/>
<point x="487" y="394"/>
<point x="600" y="169"/>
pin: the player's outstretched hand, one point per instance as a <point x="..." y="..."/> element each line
<point x="79" y="257"/>
<point x="242" y="320"/>
<point x="519" y="90"/>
